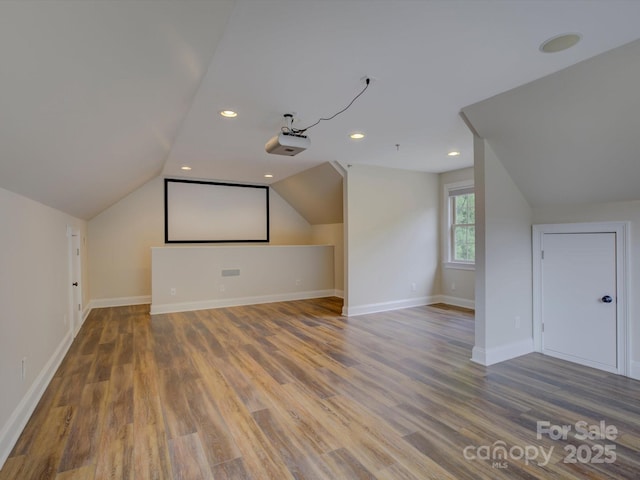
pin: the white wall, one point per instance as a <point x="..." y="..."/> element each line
<point x="504" y="315"/>
<point x="288" y="227"/>
<point x="457" y="285"/>
<point x="332" y="234"/>
<point x="393" y="240"/>
<point x="119" y="244"/>
<point x="316" y="193"/>
<point x="121" y="237"/>
<point x="609" y="212"/>
<point x="480" y="271"/>
<point x="191" y="278"/>
<point x="34" y="296"/>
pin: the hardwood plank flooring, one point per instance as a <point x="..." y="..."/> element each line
<point x="294" y="390"/>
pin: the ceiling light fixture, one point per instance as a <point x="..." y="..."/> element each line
<point x="268" y="175"/>
<point x="454" y="153"/>
<point x="228" y="113"/>
<point x="560" y="42"/>
<point x="185" y="167"/>
<point x="356" y="136"/>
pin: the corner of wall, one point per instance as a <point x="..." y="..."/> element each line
<point x="494" y="355"/>
<point x="392" y="251"/>
<point x="504" y="267"/>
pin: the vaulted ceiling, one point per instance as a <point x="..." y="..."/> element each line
<point x="573" y="136"/>
<point x="98" y="97"/>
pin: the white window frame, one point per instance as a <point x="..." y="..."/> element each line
<point x="450" y="189"/>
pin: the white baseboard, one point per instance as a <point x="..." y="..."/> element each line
<point x="338" y="293"/>
<point x="237" y="302"/>
<point x="353" y="311"/>
<point x="119" y="301"/>
<point x="85" y="314"/>
<point x="20" y="416"/>
<point x="457" y="301"/>
<point x="580" y="361"/>
<point x="635" y="370"/>
<point x="499" y="354"/>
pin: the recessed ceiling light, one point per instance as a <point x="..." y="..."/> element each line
<point x="560" y="42"/>
<point x="454" y="153"/>
<point x="356" y="136"/>
<point x="185" y="167"/>
<point x="228" y="113"/>
<point x="268" y="175"/>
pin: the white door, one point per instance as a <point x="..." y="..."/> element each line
<point x="579" y="298"/>
<point x="76" y="282"/>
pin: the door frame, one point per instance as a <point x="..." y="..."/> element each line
<point x="75" y="315"/>
<point x="621" y="230"/>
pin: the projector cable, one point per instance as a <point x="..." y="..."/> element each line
<point x="297" y="131"/>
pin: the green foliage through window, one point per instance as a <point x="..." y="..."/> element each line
<point x="463" y="230"/>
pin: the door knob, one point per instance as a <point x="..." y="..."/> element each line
<point x="607" y="299"/>
<point x="75" y="284"/>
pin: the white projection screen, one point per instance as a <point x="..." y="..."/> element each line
<point x="212" y="212"/>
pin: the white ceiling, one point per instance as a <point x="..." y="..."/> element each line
<point x="571" y="137"/>
<point x="98" y="97"/>
<point x="92" y="93"/>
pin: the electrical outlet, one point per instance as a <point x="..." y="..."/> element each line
<point x="298" y="282"/>
<point x="222" y="288"/>
<point x="517" y="321"/>
<point x="173" y="292"/>
<point x="413" y="286"/>
<point x="453" y="286"/>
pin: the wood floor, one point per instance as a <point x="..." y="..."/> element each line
<point x="296" y="391"/>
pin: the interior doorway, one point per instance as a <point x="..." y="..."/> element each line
<point x="579" y="294"/>
<point x="75" y="280"/>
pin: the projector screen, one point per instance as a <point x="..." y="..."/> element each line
<point x="212" y="212"/>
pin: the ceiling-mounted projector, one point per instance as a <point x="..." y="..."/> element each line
<point x="291" y="141"/>
<point x="287" y="143"/>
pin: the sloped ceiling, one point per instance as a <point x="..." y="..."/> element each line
<point x="315" y="193"/>
<point x="96" y="97"/>
<point x="573" y="136"/>
<point x="428" y="59"/>
<point x="92" y="93"/>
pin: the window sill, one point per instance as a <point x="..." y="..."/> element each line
<point x="459" y="266"/>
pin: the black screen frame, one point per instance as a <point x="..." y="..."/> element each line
<point x="167" y="239"/>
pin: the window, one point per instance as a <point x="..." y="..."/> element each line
<point x="462" y="218"/>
